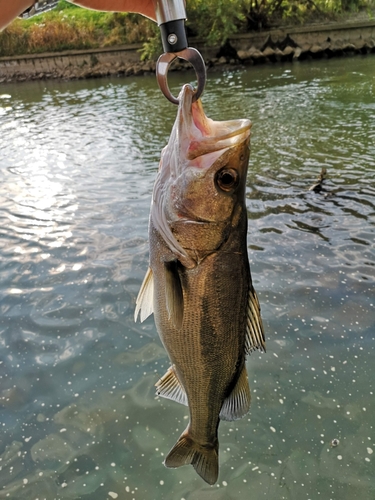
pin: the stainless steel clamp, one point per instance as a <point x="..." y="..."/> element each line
<point x="171" y="17"/>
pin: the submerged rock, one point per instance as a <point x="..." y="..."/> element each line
<point x="53" y="449"/>
<point x="83" y="419"/>
<point x="11" y="463"/>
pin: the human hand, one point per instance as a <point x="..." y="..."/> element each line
<point x="9" y="10"/>
<point x="144" y="7"/>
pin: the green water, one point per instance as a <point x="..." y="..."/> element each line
<point x="78" y="414"/>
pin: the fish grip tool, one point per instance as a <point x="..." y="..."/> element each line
<point x="171" y="17"/>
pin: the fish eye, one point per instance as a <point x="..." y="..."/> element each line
<point x="227" y="179"/>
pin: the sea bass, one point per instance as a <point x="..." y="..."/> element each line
<point x="198" y="284"/>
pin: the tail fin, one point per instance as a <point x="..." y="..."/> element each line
<point x="204" y="459"/>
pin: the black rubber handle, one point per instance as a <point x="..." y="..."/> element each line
<point x="173" y="36"/>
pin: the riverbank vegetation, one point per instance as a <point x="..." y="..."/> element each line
<point x="70" y="27"/>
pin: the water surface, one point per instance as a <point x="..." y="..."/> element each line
<point x="78" y="413"/>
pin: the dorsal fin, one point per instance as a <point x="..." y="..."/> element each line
<point x="171" y="388"/>
<point x="173" y="291"/>
<point x="254" y="327"/>
<point x="145" y="299"/>
<point x="237" y="404"/>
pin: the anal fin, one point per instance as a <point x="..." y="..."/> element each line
<point x="254" y="327"/>
<point x="237" y="404"/>
<point x="171" y="388"/>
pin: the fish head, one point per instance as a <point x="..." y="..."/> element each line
<point x="202" y="177"/>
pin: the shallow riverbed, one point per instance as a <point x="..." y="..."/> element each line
<point x="78" y="413"/>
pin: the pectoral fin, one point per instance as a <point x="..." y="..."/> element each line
<point x="237" y="404"/>
<point x="171" y="388"/>
<point x="145" y="299"/>
<point x="254" y="328"/>
<point x="174" y="296"/>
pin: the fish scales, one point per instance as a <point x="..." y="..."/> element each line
<point x="218" y="321"/>
<point x="198" y="284"/>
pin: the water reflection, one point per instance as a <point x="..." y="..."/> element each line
<point x="79" y="418"/>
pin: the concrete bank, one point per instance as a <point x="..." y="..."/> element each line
<point x="282" y="44"/>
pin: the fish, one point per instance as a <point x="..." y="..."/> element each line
<point x="198" y="284"/>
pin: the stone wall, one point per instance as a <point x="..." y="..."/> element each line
<point x="310" y="41"/>
<point x="73" y="64"/>
<point x="281" y="44"/>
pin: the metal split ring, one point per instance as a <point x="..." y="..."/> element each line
<point x="194" y="58"/>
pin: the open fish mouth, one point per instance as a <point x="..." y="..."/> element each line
<point x="203" y="135"/>
<point x="196" y="140"/>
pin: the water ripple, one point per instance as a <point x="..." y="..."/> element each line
<point x="78" y="414"/>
